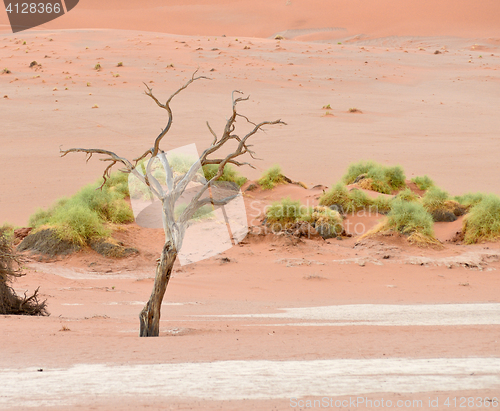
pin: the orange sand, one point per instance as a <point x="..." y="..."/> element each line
<point x="434" y="114"/>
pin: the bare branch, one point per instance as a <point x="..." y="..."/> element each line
<point x="136" y="160"/>
<point x="239" y="98"/>
<point x="107" y="173"/>
<point x="149" y="92"/>
<point x="114" y="158"/>
<point x="236" y="163"/>
<point x="246" y="118"/>
<point x="230" y="158"/>
<point x="213" y="133"/>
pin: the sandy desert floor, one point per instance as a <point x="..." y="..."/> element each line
<point x="270" y="321"/>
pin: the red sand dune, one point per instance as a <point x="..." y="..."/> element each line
<point x="432" y="113"/>
<point x="264" y="18"/>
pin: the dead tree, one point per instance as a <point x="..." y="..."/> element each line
<point x="10" y="268"/>
<point x="176" y="228"/>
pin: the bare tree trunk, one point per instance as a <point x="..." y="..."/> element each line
<point x="150" y="315"/>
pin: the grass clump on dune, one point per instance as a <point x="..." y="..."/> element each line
<point x="84" y="217"/>
<point x="382" y="204"/>
<point x="272" y="177"/>
<point x="359" y="200"/>
<point x="42" y="217"/>
<point x="118" y="182"/>
<point x="407" y="195"/>
<point x="351" y="201"/>
<point x="283" y="214"/>
<point x="180" y="163"/>
<point x="437" y="202"/>
<point x="470" y="199"/>
<point x="327" y="222"/>
<point x="108" y="203"/>
<point x="483" y="221"/>
<point x="434" y="199"/>
<point x="336" y="195"/>
<point x="423" y="182"/>
<point x="77" y="223"/>
<point x="377" y="177"/>
<point x="412" y="220"/>
<point x="345" y="200"/>
<point x="229" y="174"/>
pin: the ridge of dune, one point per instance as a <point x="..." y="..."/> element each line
<point x="462" y="18"/>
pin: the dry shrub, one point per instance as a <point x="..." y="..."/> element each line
<point x="327" y="222"/>
<point x="421" y="240"/>
<point x="10" y="303"/>
<point x="366" y="183"/>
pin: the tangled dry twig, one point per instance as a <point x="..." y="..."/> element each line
<point x="10" y="268"/>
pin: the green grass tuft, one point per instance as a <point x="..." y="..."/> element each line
<point x="230" y="174"/>
<point x="356" y="169"/>
<point x="470" y="199"/>
<point x="42" y="217"/>
<point x="407" y="195"/>
<point x="282" y="214"/>
<point x="84" y="216"/>
<point x="434" y="199"/>
<point x="483" y="221"/>
<point x="78" y="224"/>
<point x="107" y="203"/>
<point x="396" y="177"/>
<point x="411" y="219"/>
<point x="423" y="182"/>
<point x="382" y="204"/>
<point x="338" y="194"/>
<point x="350" y="201"/>
<point x="118" y="182"/>
<point x="271" y="177"/>
<point x="358" y="200"/>
<point x="377" y="176"/>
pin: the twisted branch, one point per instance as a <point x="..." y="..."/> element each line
<point x="149" y="92"/>
<point x="114" y="158"/>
